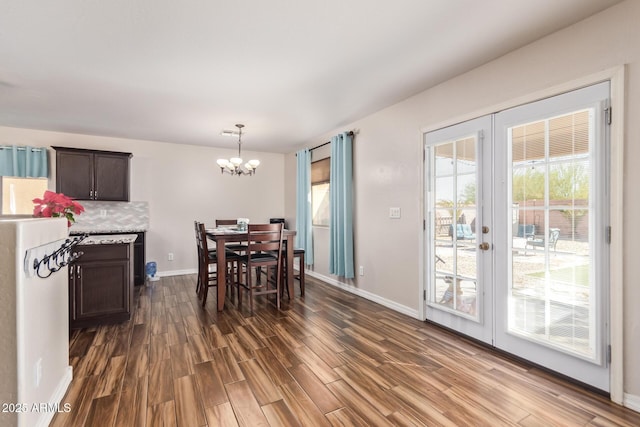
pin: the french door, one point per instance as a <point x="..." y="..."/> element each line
<point x="536" y="275"/>
<point x="459" y="273"/>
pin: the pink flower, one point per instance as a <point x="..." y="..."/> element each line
<point x="77" y="207"/>
<point x="56" y="205"/>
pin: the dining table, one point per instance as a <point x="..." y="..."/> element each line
<point x="223" y="235"/>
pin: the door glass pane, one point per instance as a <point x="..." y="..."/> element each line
<point x="454" y="196"/>
<point x="552" y="298"/>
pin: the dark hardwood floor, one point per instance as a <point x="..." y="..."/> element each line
<point x="330" y="358"/>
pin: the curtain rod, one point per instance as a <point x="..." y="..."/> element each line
<point x="350" y="133"/>
<point x="7" y="147"/>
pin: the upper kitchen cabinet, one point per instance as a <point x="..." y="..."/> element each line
<point x="92" y="175"/>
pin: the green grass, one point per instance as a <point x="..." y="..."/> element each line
<point x="576" y="275"/>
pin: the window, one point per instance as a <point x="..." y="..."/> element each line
<point x="320" y="191"/>
<point x="18" y="194"/>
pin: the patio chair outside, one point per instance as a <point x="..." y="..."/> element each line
<point x="554" y="235"/>
<point x="463" y="232"/>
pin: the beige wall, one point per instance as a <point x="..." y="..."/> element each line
<point x="182" y="183"/>
<point x="388" y="156"/>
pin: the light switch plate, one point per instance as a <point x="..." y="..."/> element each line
<point x="394" y="213"/>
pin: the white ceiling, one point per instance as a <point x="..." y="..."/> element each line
<point x="290" y="70"/>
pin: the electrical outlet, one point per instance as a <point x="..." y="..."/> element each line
<point x="394" y="213"/>
<point x="361" y="270"/>
<point x="103" y="213"/>
<point x="170" y="256"/>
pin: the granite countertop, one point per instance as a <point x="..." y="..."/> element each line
<point x="95" y="230"/>
<point x="108" y="239"/>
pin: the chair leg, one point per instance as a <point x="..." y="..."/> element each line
<point x="205" y="290"/>
<point x="283" y="278"/>
<point x="199" y="281"/>
<point x="200" y="286"/>
<point x="205" y="278"/>
<point x="239" y="283"/>
<point x="232" y="278"/>
<point x="301" y="274"/>
<point x="278" y="286"/>
<point x="239" y="289"/>
<point x="250" y="282"/>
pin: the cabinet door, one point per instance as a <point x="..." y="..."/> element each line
<point x="102" y="288"/>
<point x="111" y="177"/>
<point x="74" y="174"/>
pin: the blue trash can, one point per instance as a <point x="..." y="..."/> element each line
<point x="150" y="269"/>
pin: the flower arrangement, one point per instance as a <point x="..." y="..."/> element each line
<point x="56" y="205"/>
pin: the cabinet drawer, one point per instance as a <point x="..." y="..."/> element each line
<point x="104" y="252"/>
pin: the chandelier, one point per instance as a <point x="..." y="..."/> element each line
<point x="233" y="165"/>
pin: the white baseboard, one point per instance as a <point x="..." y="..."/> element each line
<point x="632" y="401"/>
<point x="367" y="295"/>
<point x="56" y="398"/>
<point x="177" y="272"/>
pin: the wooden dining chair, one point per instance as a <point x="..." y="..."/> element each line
<point x="206" y="277"/>
<point x="264" y="243"/>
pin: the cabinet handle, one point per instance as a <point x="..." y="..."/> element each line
<point x="91" y="194"/>
<point x="71" y="271"/>
<point x="78" y="273"/>
<point x="95" y="194"/>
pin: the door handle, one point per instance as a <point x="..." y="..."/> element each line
<point x="484" y="246"/>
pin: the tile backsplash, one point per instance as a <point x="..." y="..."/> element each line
<point x="101" y="217"/>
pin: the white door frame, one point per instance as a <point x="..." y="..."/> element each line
<point x="616" y="292"/>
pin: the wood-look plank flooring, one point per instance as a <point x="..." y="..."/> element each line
<point x="328" y="359"/>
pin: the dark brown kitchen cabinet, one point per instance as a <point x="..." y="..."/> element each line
<point x="101" y="285"/>
<point x="92" y="175"/>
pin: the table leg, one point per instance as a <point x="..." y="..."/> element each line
<point x="221" y="272"/>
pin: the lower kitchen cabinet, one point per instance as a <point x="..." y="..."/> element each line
<point x="101" y="285"/>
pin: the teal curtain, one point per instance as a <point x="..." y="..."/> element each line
<point x="341" y="200"/>
<point x="304" y="214"/>
<point x="23" y="162"/>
